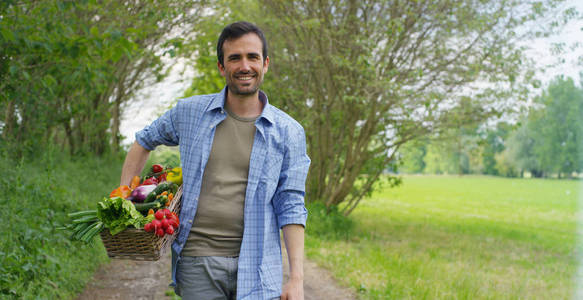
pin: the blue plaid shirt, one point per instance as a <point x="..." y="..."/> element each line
<point x="275" y="188"/>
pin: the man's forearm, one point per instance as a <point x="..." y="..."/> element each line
<point x="293" y="236"/>
<point x="134" y="163"/>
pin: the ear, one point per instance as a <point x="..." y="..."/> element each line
<point x="266" y="64"/>
<point x="221" y="68"/>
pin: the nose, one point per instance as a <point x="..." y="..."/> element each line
<point x="245" y="65"/>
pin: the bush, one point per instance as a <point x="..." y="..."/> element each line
<point x="325" y="224"/>
<point x="38" y="261"/>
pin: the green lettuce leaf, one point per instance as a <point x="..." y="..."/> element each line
<point x="117" y="214"/>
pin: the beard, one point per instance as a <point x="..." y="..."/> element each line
<point x="245" y="90"/>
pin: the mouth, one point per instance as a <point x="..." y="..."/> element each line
<point x="245" y="77"/>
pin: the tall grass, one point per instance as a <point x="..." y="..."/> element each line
<point x="37" y="261"/>
<point x="458" y="238"/>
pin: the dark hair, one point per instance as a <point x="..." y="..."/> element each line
<point x="237" y="30"/>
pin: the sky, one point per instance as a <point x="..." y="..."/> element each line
<point x="152" y="101"/>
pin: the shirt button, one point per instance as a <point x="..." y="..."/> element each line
<point x="211" y="127"/>
<point x="190" y="221"/>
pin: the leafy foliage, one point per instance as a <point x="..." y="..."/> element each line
<point x="550" y="139"/>
<point x="36" y="259"/>
<point x="364" y="77"/>
<point x="328" y="223"/>
<point x="69" y="66"/>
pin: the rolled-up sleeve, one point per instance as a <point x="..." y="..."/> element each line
<point x="288" y="200"/>
<point x="162" y="131"/>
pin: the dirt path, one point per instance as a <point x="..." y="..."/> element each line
<point x="125" y="279"/>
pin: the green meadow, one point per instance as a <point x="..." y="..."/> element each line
<point x="451" y="237"/>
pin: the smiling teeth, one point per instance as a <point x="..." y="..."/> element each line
<point x="245" y="78"/>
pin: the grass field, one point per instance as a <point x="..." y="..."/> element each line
<point x="441" y="237"/>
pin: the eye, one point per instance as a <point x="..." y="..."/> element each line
<point x="234" y="57"/>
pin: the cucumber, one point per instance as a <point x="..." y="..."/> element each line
<point x="83" y="213"/>
<point x="144" y="207"/>
<point x="162" y="187"/>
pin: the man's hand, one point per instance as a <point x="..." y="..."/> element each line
<point x="293" y="290"/>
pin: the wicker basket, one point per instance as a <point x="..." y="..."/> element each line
<point x="137" y="244"/>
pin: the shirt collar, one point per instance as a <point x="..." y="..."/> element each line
<point x="268" y="112"/>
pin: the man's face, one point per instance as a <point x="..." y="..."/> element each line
<point x="243" y="64"/>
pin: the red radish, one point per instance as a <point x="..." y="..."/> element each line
<point x="149" y="227"/>
<point x="167" y="212"/>
<point x="160" y="232"/>
<point x="157" y="224"/>
<point x="172" y="223"/>
<point x="159" y="215"/>
<point x="164" y="224"/>
<point x="170" y="230"/>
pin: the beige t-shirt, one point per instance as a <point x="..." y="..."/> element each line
<point x="217" y="229"/>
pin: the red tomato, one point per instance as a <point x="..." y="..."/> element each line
<point x="149" y="181"/>
<point x="157" y="168"/>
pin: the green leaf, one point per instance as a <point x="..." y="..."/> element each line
<point x="94" y="31"/>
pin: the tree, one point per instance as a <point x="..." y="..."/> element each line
<point x="549" y="140"/>
<point x="519" y="153"/>
<point x="412" y="156"/>
<point x="493" y="144"/>
<point x="69" y="66"/>
<point x="364" y="77"/>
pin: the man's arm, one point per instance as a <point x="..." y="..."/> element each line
<point x="134" y="163"/>
<point x="293" y="236"/>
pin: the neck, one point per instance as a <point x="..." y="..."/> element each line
<point x="246" y="106"/>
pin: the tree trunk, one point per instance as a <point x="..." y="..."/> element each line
<point x="115" y="115"/>
<point x="9" y="120"/>
<point x="70" y="138"/>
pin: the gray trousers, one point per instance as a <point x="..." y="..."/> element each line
<point x="207" y="278"/>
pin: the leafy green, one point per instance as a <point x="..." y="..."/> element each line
<point x="117" y="214"/>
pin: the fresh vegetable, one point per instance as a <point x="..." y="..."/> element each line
<point x="149" y="181"/>
<point x="149" y="227"/>
<point x="165" y="222"/>
<point x="175" y="176"/>
<point x="84" y="226"/>
<point x="159" y="215"/>
<point x="135" y="182"/>
<point x="140" y="193"/>
<point x="162" y="187"/>
<point x="157" y="168"/>
<point x="117" y="214"/>
<point x="170" y="230"/>
<point x="122" y="191"/>
<point x="162" y="177"/>
<point x="146" y="206"/>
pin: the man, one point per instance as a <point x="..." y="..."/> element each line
<point x="244" y="169"/>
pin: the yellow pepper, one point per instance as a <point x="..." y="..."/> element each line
<point x="175" y="175"/>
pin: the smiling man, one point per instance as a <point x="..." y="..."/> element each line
<point x="244" y="168"/>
